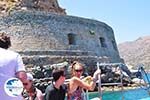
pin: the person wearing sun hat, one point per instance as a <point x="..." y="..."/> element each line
<point x="29" y="76"/>
<point x="30" y="92"/>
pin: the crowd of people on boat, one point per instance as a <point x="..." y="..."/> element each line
<point x="11" y="66"/>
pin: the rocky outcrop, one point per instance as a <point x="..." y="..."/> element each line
<point x="38" y="5"/>
<point x="110" y="73"/>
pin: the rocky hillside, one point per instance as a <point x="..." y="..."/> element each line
<point x="136" y="52"/>
<point x="38" y="5"/>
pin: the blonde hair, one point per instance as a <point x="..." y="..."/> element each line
<point x="74" y="64"/>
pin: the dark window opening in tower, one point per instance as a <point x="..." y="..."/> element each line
<point x="71" y="39"/>
<point x="53" y="5"/>
<point x="102" y="42"/>
<point x="114" y="45"/>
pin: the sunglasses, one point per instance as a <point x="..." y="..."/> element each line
<point x="25" y="84"/>
<point x="78" y="70"/>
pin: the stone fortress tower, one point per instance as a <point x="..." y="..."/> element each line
<point x="43" y="34"/>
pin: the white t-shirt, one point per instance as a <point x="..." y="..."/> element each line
<point x="10" y="63"/>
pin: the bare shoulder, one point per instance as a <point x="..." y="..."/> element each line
<point x="75" y="80"/>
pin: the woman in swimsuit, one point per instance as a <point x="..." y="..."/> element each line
<point x="76" y="84"/>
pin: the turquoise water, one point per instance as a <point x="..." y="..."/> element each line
<point x="136" y="94"/>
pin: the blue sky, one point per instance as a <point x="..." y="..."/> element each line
<point x="130" y="19"/>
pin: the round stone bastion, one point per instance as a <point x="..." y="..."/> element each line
<point x="45" y="38"/>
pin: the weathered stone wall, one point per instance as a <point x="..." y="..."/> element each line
<point x="39" y="31"/>
<point x="40" y="58"/>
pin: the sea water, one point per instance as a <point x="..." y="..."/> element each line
<point x="141" y="93"/>
<point x="135" y="94"/>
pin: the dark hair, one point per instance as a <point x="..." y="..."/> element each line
<point x="56" y="73"/>
<point x="4" y="41"/>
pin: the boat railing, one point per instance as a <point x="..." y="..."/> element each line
<point x="145" y="77"/>
<point x="110" y="84"/>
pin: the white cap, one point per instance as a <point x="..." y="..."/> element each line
<point x="29" y="76"/>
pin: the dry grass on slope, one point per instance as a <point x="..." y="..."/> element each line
<point x="136" y="52"/>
